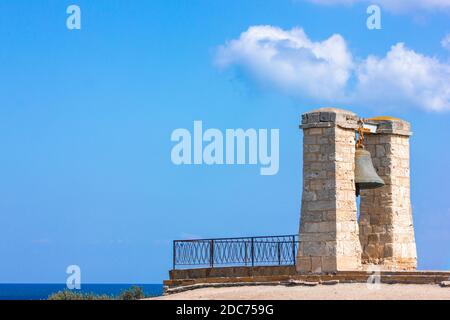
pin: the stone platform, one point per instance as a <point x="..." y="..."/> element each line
<point x="280" y="274"/>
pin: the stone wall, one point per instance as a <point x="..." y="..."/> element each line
<point x="386" y="226"/>
<point x="220" y="272"/>
<point x="329" y="236"/>
<point x="288" y="275"/>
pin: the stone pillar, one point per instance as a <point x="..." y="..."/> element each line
<point x="386" y="226"/>
<point x="329" y="236"/>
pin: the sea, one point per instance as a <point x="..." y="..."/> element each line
<point x="43" y="291"/>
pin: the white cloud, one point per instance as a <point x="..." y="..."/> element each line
<point x="326" y="72"/>
<point x="404" y="78"/>
<point x="446" y="42"/>
<point x="393" y="5"/>
<point x="290" y="61"/>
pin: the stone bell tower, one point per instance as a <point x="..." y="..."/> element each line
<point x="331" y="237"/>
<point x="386" y="224"/>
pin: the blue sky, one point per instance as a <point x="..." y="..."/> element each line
<point x="86" y="117"/>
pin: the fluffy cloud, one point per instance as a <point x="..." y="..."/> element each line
<point x="326" y="71"/>
<point x="393" y="5"/>
<point x="290" y="61"/>
<point x="404" y="78"/>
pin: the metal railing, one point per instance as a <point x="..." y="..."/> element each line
<point x="245" y="251"/>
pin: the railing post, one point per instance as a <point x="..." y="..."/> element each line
<point x="253" y="251"/>
<point x="293" y="251"/>
<point x="245" y="253"/>
<point x="279" y="252"/>
<point x="211" y="253"/>
<point x="174" y="252"/>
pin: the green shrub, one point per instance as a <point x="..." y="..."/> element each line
<point x="133" y="293"/>
<point x="71" y="295"/>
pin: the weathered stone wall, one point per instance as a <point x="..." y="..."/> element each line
<point x="271" y="274"/>
<point x="220" y="272"/>
<point x="386" y="226"/>
<point x="329" y="236"/>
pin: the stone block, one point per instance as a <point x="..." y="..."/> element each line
<point x="316" y="264"/>
<point x="315" y="131"/>
<point x="329" y="264"/>
<point x="303" y="264"/>
<point x="308" y="139"/>
<point x="327" y="117"/>
<point x="346" y="263"/>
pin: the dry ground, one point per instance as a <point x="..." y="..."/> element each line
<point x="341" y="291"/>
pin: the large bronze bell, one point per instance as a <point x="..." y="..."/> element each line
<point x="365" y="175"/>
